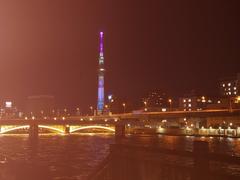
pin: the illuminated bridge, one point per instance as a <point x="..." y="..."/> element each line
<point x="67" y="125"/>
<point x="58" y="126"/>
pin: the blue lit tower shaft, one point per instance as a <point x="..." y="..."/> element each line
<point x="100" y="104"/>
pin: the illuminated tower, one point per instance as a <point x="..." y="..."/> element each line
<point x="100" y="104"/>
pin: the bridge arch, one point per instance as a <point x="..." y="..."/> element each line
<point x="52" y="129"/>
<point x="4" y="131"/>
<point x="92" y="127"/>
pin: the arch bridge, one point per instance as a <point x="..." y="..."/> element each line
<point x="33" y="128"/>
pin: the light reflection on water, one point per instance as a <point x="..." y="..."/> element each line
<point x="73" y="157"/>
<point x="59" y="157"/>
<point x="230" y="146"/>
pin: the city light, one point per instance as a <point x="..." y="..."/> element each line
<point x="124" y="107"/>
<point x="238" y="98"/>
<point x="8" y="104"/>
<point x="164" y="109"/>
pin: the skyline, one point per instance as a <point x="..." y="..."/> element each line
<point x="175" y="56"/>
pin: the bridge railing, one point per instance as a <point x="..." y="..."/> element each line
<point x="131" y="162"/>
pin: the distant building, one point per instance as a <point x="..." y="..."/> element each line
<point x="219" y="103"/>
<point x="225" y="103"/>
<point x="193" y="102"/>
<point x="230" y="86"/>
<point x="157" y="101"/>
<point x="8" y="110"/>
<point x="39" y="106"/>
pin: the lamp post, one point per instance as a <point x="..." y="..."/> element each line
<point x="53" y="112"/>
<point x="106" y="107"/>
<point x="170" y="104"/>
<point x="145" y="105"/>
<point x="42" y="112"/>
<point x="77" y="111"/>
<point x="124" y="107"/>
<point x="91" y="109"/>
<point x="65" y="112"/>
<point x="231" y="101"/>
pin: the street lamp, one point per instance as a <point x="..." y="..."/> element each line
<point x="145" y="105"/>
<point x="106" y="107"/>
<point x="170" y="104"/>
<point x="78" y="111"/>
<point x="124" y="107"/>
<point x="238" y="98"/>
<point x="53" y="112"/>
<point x="231" y="101"/>
<point x="41" y="113"/>
<point x="65" y="111"/>
<point x="91" y="108"/>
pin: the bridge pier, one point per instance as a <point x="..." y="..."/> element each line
<point x="33" y="130"/>
<point x="120" y="132"/>
<point x="67" y="129"/>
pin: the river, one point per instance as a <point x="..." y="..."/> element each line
<point x="74" y="157"/>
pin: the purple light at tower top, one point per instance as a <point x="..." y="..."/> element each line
<point x="101" y="42"/>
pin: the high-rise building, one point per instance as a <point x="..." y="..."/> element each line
<point x="194" y="103"/>
<point x="9" y="110"/>
<point x="157" y="101"/>
<point x="230" y="86"/>
<point x="100" y="103"/>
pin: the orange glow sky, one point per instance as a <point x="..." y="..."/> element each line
<point x="51" y="47"/>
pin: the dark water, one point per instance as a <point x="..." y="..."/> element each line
<point x="74" y="157"/>
<point x="220" y="145"/>
<point x="54" y="156"/>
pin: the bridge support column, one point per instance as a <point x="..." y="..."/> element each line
<point x="33" y="130"/>
<point x="119" y="132"/>
<point x="67" y="129"/>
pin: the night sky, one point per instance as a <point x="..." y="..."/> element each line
<point x="51" y="47"/>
